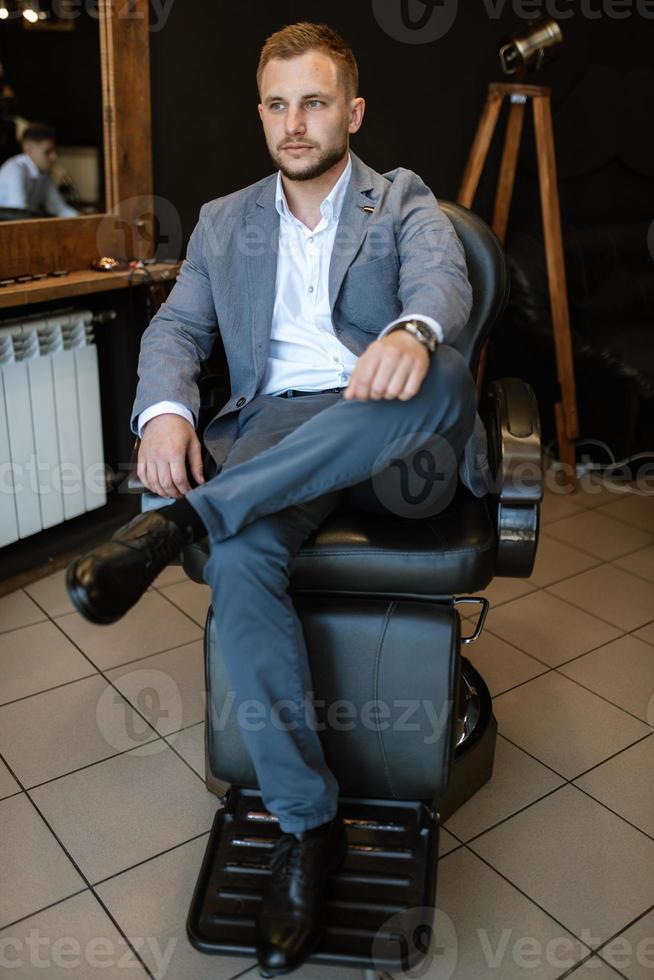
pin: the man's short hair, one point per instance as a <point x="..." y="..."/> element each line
<point x="37" y="133"/>
<point x="297" y="39"/>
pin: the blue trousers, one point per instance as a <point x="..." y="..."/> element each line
<point x="292" y="462"/>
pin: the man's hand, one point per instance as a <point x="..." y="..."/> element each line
<point x="392" y="367"/>
<point x="168" y="440"/>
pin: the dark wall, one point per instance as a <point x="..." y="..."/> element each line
<point x="423" y="101"/>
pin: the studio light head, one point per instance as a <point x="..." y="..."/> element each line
<point x="528" y="50"/>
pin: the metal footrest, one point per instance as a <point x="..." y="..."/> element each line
<point x="380" y="903"/>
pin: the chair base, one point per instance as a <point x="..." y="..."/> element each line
<point x="474" y="756"/>
<point x="380" y="903"/>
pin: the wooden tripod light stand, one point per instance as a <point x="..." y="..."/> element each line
<point x="565" y="410"/>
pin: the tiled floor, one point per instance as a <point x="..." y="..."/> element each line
<point x="547" y="872"/>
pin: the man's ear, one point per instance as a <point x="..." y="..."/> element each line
<point x="357" y="110"/>
<point x="260" y="108"/>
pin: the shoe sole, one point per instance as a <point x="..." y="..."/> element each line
<point x="79" y="599"/>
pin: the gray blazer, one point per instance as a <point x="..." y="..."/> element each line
<point x="395" y="252"/>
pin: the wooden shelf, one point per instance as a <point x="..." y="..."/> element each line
<point x="82" y="282"/>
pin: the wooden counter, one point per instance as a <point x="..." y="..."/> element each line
<point x="82" y="282"/>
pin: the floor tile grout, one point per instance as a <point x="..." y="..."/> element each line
<point x="538" y="588"/>
<point x="46" y="690"/>
<point x="515" y="813"/>
<point x="90" y="765"/>
<point x="183" y="611"/>
<point x="518" y="684"/>
<point x="116" y="755"/>
<point x="243" y="972"/>
<point x="610" y="517"/>
<point x="84" y="878"/>
<point x="520" y="890"/>
<point x="587" y="611"/>
<point x="15" y="629"/>
<point x="549" y="914"/>
<point x="601" y="558"/>
<point x="44" y="908"/>
<point x="585" y="771"/>
<point x="155" y="653"/>
<point x="152" y="857"/>
<point x="621" y="932"/>
<point x="547" y="668"/>
<point x="566" y="782"/>
<point x="546" y="588"/>
<point x="563" y="663"/>
<point x="461" y="844"/>
<point x="614" y="562"/>
<point x="602" y="696"/>
<point x="532" y="756"/>
<point x="109" y="681"/>
<point x="10" y="795"/>
<point x="107" y="911"/>
<point x="607" y="807"/>
<point x="91" y="886"/>
<point x="591" y="955"/>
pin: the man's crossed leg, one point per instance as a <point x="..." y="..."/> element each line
<point x="348" y="444"/>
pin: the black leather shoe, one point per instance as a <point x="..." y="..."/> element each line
<point x="292" y="920"/>
<point x="107" y="581"/>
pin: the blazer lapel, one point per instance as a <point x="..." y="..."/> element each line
<point x="352" y="225"/>
<point x="261" y="248"/>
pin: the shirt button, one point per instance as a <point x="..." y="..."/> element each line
<point x="344" y="377"/>
<point x="240" y="402"/>
<point x="310" y="289"/>
<point x="335" y="358"/>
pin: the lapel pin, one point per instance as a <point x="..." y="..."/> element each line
<point x="367" y="208"/>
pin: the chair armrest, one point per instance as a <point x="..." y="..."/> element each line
<point x="515" y="450"/>
<point x="516" y="462"/>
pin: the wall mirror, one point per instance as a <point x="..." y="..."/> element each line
<point x="50" y="80"/>
<point x="81" y="66"/>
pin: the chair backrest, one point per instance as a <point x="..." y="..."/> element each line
<point x="488" y="275"/>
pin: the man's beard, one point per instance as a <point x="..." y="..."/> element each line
<point x="325" y="161"/>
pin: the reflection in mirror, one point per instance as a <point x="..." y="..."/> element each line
<point x="51" y="157"/>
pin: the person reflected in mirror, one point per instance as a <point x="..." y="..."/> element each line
<point x="9" y="122"/>
<point x="26" y="181"/>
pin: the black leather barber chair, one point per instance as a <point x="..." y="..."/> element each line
<point x="380" y="600"/>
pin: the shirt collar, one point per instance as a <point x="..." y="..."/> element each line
<point x="31" y="166"/>
<point x="330" y="207"/>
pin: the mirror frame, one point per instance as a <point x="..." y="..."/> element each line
<point x="47" y="244"/>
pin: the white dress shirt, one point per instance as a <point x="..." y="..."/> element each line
<point x="23" y="185"/>
<point x="305" y="352"/>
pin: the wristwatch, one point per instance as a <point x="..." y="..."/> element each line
<point x="421" y="332"/>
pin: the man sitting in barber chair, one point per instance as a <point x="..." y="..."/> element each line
<point x="337" y="292"/>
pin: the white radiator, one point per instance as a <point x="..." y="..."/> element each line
<point x="51" y="452"/>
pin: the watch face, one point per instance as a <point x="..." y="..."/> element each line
<point x="423" y="334"/>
